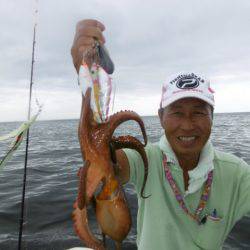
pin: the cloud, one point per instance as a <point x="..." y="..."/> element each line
<point x="148" y="40"/>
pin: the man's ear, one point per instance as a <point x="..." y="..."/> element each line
<point x="160" y="114"/>
<point x="212" y="113"/>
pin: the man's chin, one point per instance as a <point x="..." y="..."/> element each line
<point x="187" y="151"/>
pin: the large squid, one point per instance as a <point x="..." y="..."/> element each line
<point x="98" y="147"/>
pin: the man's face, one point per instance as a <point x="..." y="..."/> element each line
<point x="187" y="123"/>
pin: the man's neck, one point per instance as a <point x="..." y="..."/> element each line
<point x="188" y="162"/>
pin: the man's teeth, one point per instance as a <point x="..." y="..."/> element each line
<point x="186" y="138"/>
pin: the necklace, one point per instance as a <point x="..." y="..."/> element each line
<point x="178" y="195"/>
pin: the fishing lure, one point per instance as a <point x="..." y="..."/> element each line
<point x="97" y="76"/>
<point x="104" y="59"/>
<point x="18" y="135"/>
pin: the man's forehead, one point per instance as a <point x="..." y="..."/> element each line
<point x="189" y="101"/>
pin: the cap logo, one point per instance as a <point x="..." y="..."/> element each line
<point x="187" y="83"/>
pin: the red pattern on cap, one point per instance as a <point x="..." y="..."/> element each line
<point x="210" y="90"/>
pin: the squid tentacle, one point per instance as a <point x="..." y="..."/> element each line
<point x="133" y="143"/>
<point x="82" y="229"/>
<point x="123" y="116"/>
<point x="82" y="197"/>
<point x="80" y="216"/>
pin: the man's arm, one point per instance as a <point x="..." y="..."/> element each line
<point x="243" y="203"/>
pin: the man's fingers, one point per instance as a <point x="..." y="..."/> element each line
<point x="100" y="26"/>
<point x="90" y="31"/>
<point x="84" y="49"/>
<point x="84" y="41"/>
<point x="90" y="22"/>
<point x="93" y="32"/>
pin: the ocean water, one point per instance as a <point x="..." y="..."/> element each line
<point x="54" y="159"/>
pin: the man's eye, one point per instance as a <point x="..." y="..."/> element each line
<point x="176" y="113"/>
<point x="199" y="113"/>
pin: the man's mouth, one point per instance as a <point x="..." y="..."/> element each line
<point x="187" y="138"/>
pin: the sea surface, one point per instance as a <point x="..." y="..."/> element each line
<point x="54" y="159"/>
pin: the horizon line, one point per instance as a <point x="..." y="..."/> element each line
<point x="65" y="119"/>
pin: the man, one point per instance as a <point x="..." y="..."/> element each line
<point x="197" y="193"/>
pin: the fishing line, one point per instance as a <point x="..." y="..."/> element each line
<point x="21" y="220"/>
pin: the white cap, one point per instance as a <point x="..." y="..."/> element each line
<point x="186" y="85"/>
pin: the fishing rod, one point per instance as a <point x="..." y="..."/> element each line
<point x="21" y="220"/>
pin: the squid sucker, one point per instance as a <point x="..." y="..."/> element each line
<point x="98" y="182"/>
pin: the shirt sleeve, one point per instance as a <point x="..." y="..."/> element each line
<point x="136" y="168"/>
<point x="243" y="204"/>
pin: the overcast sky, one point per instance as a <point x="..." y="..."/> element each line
<point x="147" y="40"/>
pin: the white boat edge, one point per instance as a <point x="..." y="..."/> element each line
<point x="80" y="248"/>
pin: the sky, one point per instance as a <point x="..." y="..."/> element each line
<point x="147" y="40"/>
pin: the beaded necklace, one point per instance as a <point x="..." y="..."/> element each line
<point x="179" y="198"/>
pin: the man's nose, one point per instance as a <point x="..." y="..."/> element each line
<point x="187" y="123"/>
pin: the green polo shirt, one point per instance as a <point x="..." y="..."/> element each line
<point x="161" y="222"/>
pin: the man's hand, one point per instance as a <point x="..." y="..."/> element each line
<point x="86" y="32"/>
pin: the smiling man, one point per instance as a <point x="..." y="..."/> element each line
<point x="185" y="113"/>
<point x="197" y="193"/>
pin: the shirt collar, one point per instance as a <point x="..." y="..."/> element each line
<point x="167" y="149"/>
<point x="199" y="174"/>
